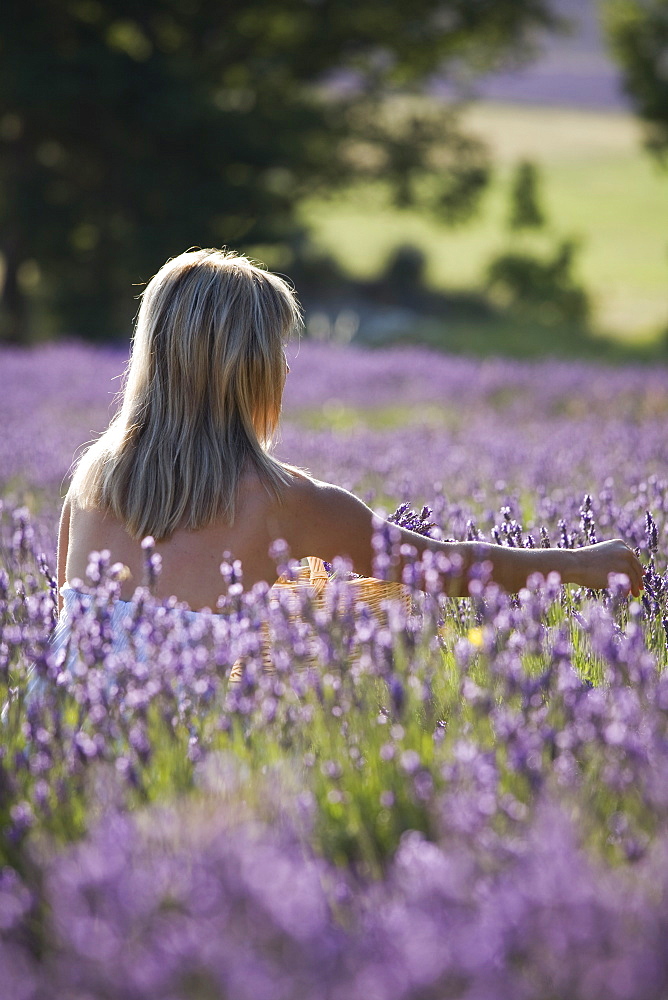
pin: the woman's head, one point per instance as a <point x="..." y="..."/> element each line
<point x="202" y="395"/>
<point x="210" y="337"/>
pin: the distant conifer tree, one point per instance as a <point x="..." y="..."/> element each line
<point x="525" y="208"/>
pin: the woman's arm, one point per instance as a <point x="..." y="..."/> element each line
<point x="327" y="521"/>
<point x="589" y="566"/>
<point x="63" y="545"/>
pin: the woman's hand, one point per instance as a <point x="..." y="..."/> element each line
<point x="595" y="563"/>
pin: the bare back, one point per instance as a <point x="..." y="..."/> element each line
<point x="190" y="559"/>
<point x="315" y="519"/>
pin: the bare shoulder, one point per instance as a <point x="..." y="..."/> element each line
<point x="79" y="514"/>
<point x="321" y="519"/>
<point x="66" y="510"/>
<point x="304" y="493"/>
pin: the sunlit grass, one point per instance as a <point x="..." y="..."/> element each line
<point x="598" y="185"/>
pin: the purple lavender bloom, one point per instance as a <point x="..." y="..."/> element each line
<point x="463" y="798"/>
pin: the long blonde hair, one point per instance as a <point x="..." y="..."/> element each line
<point x="201" y="398"/>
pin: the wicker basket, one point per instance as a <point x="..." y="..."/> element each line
<point x="313" y="578"/>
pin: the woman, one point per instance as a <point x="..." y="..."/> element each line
<point x="187" y="459"/>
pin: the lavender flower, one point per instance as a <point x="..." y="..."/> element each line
<point x="462" y="798"/>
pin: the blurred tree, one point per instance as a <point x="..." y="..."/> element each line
<point x="132" y="129"/>
<point x="405" y="269"/>
<point x="540" y="289"/>
<point x="638" y="34"/>
<point x="525" y="209"/>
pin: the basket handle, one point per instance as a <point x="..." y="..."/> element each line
<point x="318" y="575"/>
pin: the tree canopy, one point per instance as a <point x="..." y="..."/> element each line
<point x="132" y="129"/>
<point x="638" y="33"/>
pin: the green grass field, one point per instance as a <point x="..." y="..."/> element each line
<point x="599" y="185"/>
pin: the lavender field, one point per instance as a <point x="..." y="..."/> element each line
<point x="451" y="799"/>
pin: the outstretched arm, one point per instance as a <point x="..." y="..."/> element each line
<point x="327" y="521"/>
<point x="589" y="566"/>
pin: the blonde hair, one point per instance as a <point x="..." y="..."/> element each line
<point x="201" y="399"/>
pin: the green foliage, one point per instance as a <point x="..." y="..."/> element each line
<point x="544" y="287"/>
<point x="638" y="34"/>
<point x="132" y="131"/>
<point x="406" y="267"/>
<point x="525" y="209"/>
